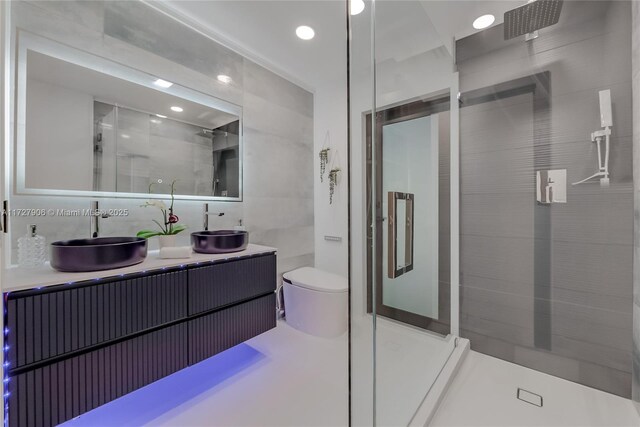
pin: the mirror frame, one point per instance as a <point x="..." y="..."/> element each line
<point x="27" y="41"/>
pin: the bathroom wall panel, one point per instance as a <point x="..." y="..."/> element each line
<point x="509" y="334"/>
<point x="270" y="87"/>
<point x="595" y="268"/>
<point x="136" y="24"/>
<point x="51" y="324"/>
<point x="549" y="286"/>
<point x="487" y="206"/>
<point x="215" y="286"/>
<point x="594" y="208"/>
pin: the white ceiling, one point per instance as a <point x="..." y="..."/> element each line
<point x="264" y="30"/>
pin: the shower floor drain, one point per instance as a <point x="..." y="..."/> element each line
<point x="529" y="397"/>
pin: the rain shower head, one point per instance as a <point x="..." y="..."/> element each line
<point x="531" y="17"/>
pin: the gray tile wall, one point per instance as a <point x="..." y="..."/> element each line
<point x="550" y="287"/>
<point x="635" y="48"/>
<point x="278" y="122"/>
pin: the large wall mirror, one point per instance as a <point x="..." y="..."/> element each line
<point x="91" y="126"/>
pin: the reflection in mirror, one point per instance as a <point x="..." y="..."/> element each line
<point x="133" y="150"/>
<point x="121" y="131"/>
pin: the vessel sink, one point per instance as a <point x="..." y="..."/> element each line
<point x="101" y="253"/>
<point x="219" y="241"/>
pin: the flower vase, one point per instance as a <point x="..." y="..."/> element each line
<point x="167" y="240"/>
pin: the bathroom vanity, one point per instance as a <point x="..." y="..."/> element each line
<point x="75" y="341"/>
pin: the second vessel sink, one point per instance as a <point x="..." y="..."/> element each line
<point x="219" y="241"/>
<point x="101" y="253"/>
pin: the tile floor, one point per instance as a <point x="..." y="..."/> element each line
<point x="280" y="378"/>
<point x="287" y="378"/>
<point x="483" y="393"/>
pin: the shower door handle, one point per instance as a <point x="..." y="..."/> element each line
<point x="393" y="269"/>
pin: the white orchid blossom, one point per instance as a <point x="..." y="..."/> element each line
<point x="156" y="203"/>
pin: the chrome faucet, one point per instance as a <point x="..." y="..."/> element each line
<point x="94" y="219"/>
<point x="206" y="214"/>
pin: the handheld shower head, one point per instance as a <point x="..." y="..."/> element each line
<point x="606" y="116"/>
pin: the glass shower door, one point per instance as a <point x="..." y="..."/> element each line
<point x="402" y="126"/>
<point x="409" y="143"/>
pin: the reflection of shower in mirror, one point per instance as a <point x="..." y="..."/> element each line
<point x="600" y="136"/>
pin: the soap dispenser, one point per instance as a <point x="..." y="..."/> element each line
<point x="31" y="249"/>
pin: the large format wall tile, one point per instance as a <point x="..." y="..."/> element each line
<point x="137" y="24"/>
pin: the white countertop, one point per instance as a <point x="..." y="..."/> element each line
<point x="16" y="278"/>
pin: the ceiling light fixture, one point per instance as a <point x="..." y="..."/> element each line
<point x="161" y="116"/>
<point x="305" y="32"/>
<point x="162" y="83"/>
<point x="177" y="109"/>
<point x="356" y="6"/>
<point x="483" y="22"/>
<point x="222" y="78"/>
<point x="125" y="136"/>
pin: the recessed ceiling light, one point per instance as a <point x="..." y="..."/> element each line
<point x="163" y="83"/>
<point x="357" y="6"/>
<point x="483" y="21"/>
<point x="305" y="32"/>
<point x="177" y="109"/>
<point x="222" y="78"/>
<point x="155" y="121"/>
<point x="161" y="116"/>
<point x="125" y="136"/>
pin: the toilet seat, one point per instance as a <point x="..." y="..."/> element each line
<point x="316" y="280"/>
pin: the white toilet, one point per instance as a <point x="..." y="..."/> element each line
<point x="316" y="302"/>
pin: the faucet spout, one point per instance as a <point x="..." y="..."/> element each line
<point x="206" y="214"/>
<point x="94" y="219"/>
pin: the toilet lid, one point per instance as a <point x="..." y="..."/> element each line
<point x="317" y="280"/>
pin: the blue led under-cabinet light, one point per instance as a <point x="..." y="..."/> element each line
<point x="5" y="365"/>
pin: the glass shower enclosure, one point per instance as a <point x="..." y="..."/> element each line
<point x="527" y="126"/>
<point x="403" y="129"/>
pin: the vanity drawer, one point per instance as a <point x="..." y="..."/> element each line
<point x="213" y="333"/>
<point x="47" y="324"/>
<point x="218" y="285"/>
<point x="54" y="393"/>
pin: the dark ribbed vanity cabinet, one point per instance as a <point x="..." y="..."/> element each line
<point x="49" y="323"/>
<point x="73" y="347"/>
<point x="234" y="281"/>
<point x="211" y="334"/>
